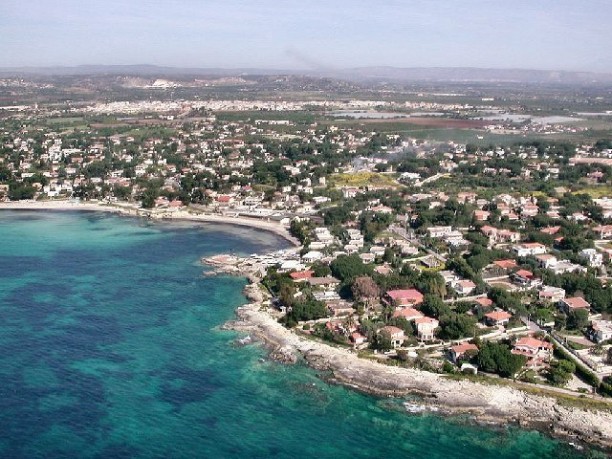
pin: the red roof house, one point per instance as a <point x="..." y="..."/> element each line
<point x="409" y="297"/>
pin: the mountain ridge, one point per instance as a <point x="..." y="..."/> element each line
<point x="368" y="74"/>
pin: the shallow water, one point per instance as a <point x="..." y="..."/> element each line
<point x="110" y="347"/>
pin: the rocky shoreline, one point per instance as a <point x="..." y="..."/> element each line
<point x="491" y="405"/>
<point x="487" y="404"/>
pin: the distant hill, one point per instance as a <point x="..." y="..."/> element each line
<point x="362" y="74"/>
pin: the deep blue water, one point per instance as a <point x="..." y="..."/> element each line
<point x="110" y="347"/>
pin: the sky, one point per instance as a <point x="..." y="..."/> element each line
<point x="309" y="34"/>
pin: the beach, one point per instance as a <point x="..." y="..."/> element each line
<point x="154" y="214"/>
<point x="488" y="404"/>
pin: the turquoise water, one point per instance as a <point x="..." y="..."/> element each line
<point x="110" y="347"/>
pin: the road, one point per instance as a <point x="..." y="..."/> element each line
<point x="409" y="236"/>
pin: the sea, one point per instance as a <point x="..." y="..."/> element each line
<point x="111" y="347"/>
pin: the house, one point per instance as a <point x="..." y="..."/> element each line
<point x="497" y="318"/>
<point x="457" y="351"/>
<point x="538" y="352"/>
<point x="505" y="265"/>
<point x="313" y="255"/>
<point x="593" y="258"/>
<point x="225" y="200"/>
<point x="504" y="235"/>
<point x="449" y="277"/>
<point x="367" y="257"/>
<point x="327" y="281"/>
<point x="426" y="327"/>
<point x="529" y="248"/>
<point x="523" y="277"/>
<point x="552" y="294"/>
<point x="358" y="340"/>
<point x="409" y="297"/>
<point x="394" y="334"/>
<point x="464" y="287"/>
<point x="546" y="260"/>
<point x="481" y="215"/>
<point x="383" y="270"/>
<point x="439" y="231"/>
<point x="484" y="302"/>
<point x="291" y="265"/>
<point x="301" y="276"/>
<point x="573" y="304"/>
<point x="339" y="308"/>
<point x="603" y="231"/>
<point x="408" y="313"/>
<point x="431" y="262"/>
<point x="529" y="210"/>
<point x="601" y="330"/>
<point x="466" y="196"/>
<point x="550" y="230"/>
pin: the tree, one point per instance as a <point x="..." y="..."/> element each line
<point x="122" y="192"/>
<point x="389" y="255"/>
<point x="300" y="230"/>
<point x="348" y="267"/>
<point x="433" y="306"/>
<point x="381" y="342"/>
<point x="320" y="270"/>
<point x="309" y="309"/>
<point x="560" y="372"/>
<point x="497" y="358"/>
<point x="431" y="283"/>
<point x="543" y="315"/>
<point x="5" y="174"/>
<point x="455" y="326"/>
<point x="18" y="191"/>
<point x="365" y="289"/>
<point x="148" y="199"/>
<point x="578" y="319"/>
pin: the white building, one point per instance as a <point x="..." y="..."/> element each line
<point x="601" y="330"/>
<point x="529" y="248"/>
<point x="593" y="258"/>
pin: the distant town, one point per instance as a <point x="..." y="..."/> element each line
<point x="459" y="228"/>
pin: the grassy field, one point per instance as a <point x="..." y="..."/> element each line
<point x="596" y="192"/>
<point x="362" y="179"/>
<point x="74" y="122"/>
<point x="298" y="117"/>
<point x="66" y="120"/>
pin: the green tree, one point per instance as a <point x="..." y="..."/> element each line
<point x="433" y="306"/>
<point x="455" y="326"/>
<point x="348" y="267"/>
<point x="310" y="309"/>
<point x="560" y="372"/>
<point x="497" y="358"/>
<point x="578" y="319"/>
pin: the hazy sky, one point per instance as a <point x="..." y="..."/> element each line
<point x="309" y="34"/>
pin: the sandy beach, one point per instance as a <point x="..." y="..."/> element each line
<point x="155" y="214"/>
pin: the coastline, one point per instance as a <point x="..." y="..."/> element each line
<point x="161" y="214"/>
<point x="492" y="405"/>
